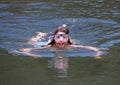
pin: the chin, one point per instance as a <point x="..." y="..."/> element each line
<point x="61" y="46"/>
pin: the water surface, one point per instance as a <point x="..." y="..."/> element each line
<point x="94" y="23"/>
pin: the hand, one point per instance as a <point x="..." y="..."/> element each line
<point x="98" y="55"/>
<point x="26" y="49"/>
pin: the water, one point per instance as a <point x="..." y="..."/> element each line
<point x="94" y="23"/>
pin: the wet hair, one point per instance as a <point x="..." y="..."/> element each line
<point x="62" y="28"/>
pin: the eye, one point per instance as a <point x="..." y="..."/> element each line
<point x="65" y="36"/>
<point x="57" y="36"/>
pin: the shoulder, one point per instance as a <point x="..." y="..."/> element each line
<point x="46" y="46"/>
<point x="76" y="46"/>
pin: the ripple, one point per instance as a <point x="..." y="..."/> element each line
<point x="4" y="6"/>
<point x="19" y="22"/>
<point x="2" y="14"/>
<point x="110" y="43"/>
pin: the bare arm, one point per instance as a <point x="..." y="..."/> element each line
<point x="85" y="47"/>
<point x="88" y="48"/>
<point x="27" y="51"/>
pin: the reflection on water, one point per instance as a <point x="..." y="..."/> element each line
<point x="59" y="63"/>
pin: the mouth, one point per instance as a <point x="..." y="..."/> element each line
<point x="61" y="44"/>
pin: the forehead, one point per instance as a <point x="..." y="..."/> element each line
<point x="58" y="33"/>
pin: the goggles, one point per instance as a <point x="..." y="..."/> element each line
<point x="61" y="35"/>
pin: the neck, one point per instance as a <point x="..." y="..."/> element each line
<point x="56" y="46"/>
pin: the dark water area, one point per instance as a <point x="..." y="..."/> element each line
<point x="94" y="23"/>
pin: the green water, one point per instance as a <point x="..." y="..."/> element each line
<point x="16" y="70"/>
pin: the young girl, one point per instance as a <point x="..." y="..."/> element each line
<point x="60" y="40"/>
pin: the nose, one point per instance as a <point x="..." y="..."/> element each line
<point x="61" y="39"/>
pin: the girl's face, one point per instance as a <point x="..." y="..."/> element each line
<point x="61" y="39"/>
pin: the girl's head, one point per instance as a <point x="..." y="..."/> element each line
<point x="62" y="28"/>
<point x="61" y="37"/>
